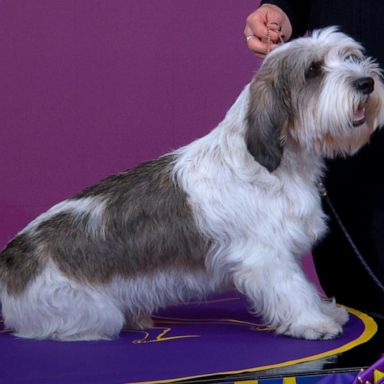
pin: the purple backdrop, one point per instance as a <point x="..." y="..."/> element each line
<point x="93" y="87"/>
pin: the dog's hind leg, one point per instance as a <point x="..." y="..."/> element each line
<point x="286" y="300"/>
<point x="55" y="307"/>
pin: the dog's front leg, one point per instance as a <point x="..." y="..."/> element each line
<point x="281" y="294"/>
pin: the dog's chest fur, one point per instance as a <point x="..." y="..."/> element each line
<point x="241" y="200"/>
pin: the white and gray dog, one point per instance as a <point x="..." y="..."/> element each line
<point x="239" y="207"/>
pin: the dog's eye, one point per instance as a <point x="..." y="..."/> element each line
<point x="314" y="70"/>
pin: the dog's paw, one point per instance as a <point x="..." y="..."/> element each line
<point x="324" y="329"/>
<point x="336" y="312"/>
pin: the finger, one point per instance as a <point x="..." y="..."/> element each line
<point x="275" y="36"/>
<point x="274" y="17"/>
<point x="257" y="46"/>
<point x="278" y="32"/>
<point x="278" y="21"/>
<point x="258" y="30"/>
<point x="254" y="41"/>
<point x="260" y="48"/>
<point x="263" y="33"/>
<point x="274" y="26"/>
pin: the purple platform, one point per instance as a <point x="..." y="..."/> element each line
<point x="195" y="340"/>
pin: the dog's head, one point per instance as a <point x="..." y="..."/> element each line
<point x="320" y="93"/>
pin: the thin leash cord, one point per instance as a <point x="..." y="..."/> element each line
<point x="277" y="29"/>
<point x="359" y="256"/>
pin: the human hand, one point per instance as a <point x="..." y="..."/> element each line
<point x="265" y="28"/>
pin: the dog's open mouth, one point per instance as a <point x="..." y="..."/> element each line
<point x="359" y="116"/>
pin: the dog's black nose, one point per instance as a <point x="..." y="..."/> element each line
<point x="365" y="85"/>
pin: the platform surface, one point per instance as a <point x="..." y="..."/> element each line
<point x="194" y="342"/>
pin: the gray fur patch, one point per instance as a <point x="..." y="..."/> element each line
<point x="148" y="226"/>
<point x="19" y="263"/>
<point x="266" y="119"/>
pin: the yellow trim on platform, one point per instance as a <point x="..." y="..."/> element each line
<point x="377" y="375"/>
<point x="289" y="380"/>
<point x="247" y="382"/>
<point x="367" y="334"/>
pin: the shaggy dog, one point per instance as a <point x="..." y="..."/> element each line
<point x="239" y="207"/>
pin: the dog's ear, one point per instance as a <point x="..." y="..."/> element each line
<point x="267" y="116"/>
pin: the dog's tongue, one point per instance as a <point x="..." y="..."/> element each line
<point x="359" y="115"/>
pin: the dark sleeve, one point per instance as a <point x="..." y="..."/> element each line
<point x="297" y="12"/>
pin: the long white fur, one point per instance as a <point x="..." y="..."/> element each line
<point x="265" y="222"/>
<point x="57" y="307"/>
